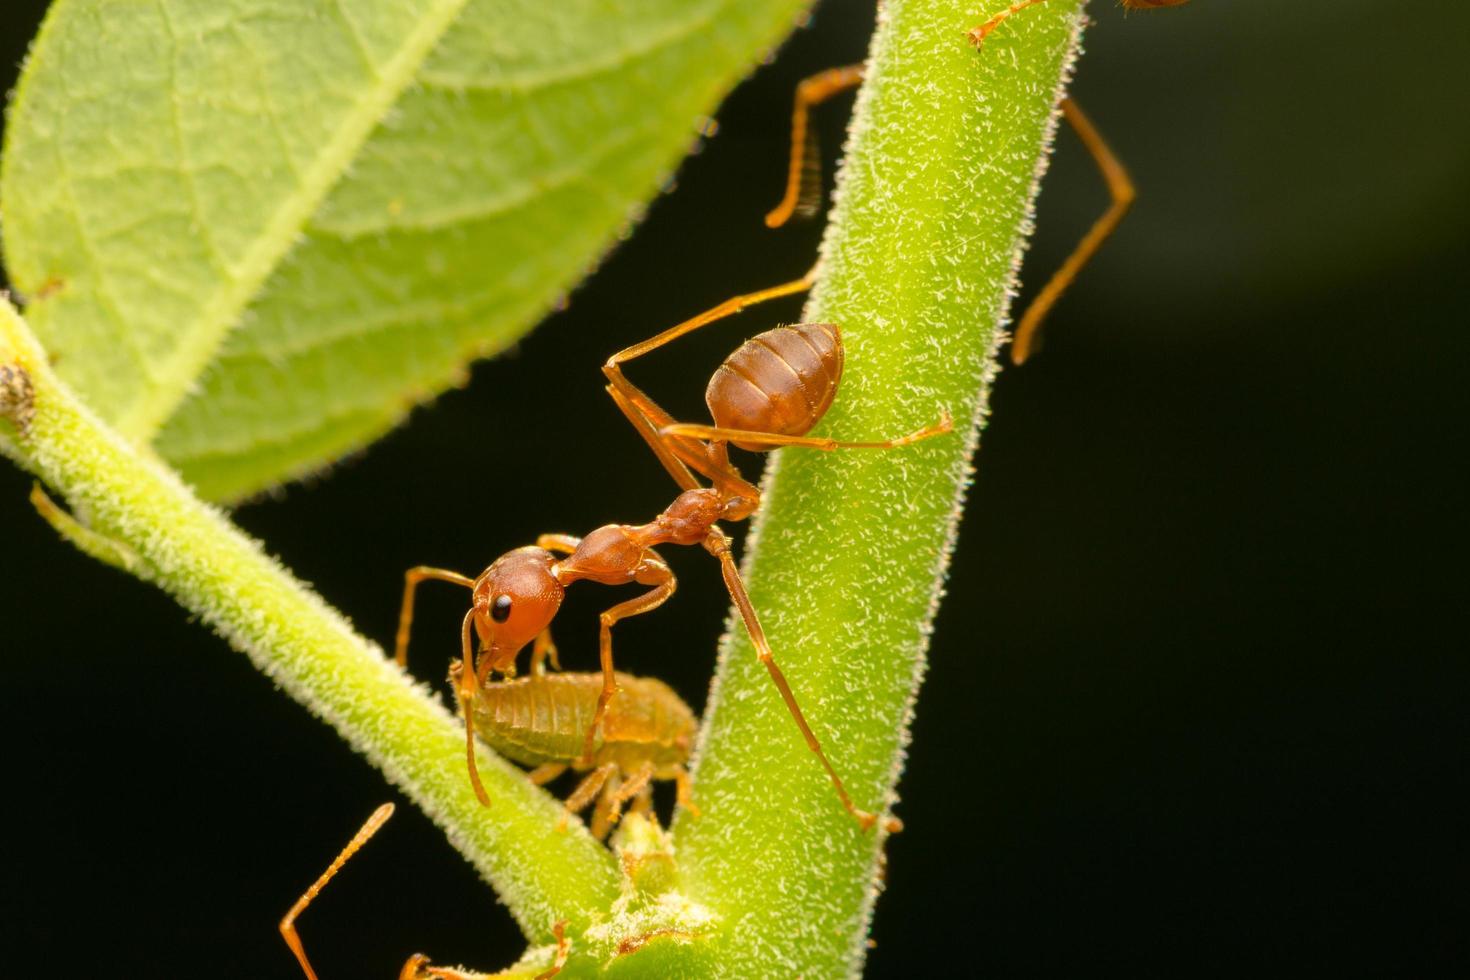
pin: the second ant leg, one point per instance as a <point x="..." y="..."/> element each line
<point x="803" y="177"/>
<point x="288" y="921"/>
<point x="661" y="447"/>
<point x="773" y="440"/>
<point x="719" y="546"/>
<point x="663" y="584"/>
<point x="411" y="580"/>
<point x="1121" y="188"/>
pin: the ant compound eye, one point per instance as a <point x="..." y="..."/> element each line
<point x="500" y="608"/>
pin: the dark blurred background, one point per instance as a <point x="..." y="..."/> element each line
<point x="1196" y="702"/>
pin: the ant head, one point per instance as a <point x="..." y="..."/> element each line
<point x="515" y="599"/>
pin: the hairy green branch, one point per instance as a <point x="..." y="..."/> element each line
<point x="191" y="551"/>
<point x="847" y="559"/>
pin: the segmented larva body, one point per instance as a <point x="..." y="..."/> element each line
<point x="781" y="381"/>
<point x="544" y="718"/>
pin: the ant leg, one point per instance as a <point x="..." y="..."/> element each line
<point x="1122" y="191"/>
<point x="638" y="407"/>
<point x="803" y="178"/>
<point x="468" y="687"/>
<point x="729" y="307"/>
<point x="652" y="572"/>
<point x="288" y="921"/>
<point x="719" y="546"/>
<point x="673" y="464"/>
<point x="629" y="790"/>
<point x="411" y="580"/>
<point x="679" y="455"/>
<point x="773" y="440"/>
<point x="977" y="35"/>
<point x="585" y="792"/>
<point x="544" y="774"/>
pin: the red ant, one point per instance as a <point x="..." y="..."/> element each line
<point x="770" y="392"/>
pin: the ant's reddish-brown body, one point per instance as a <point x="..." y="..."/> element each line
<point x="770" y="392"/>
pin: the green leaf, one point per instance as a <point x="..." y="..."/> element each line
<point x="256" y="233"/>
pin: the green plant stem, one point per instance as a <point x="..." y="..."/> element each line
<point x="847" y="557"/>
<point x="190" y="550"/>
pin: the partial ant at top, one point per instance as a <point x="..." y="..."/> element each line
<point x="804" y="190"/>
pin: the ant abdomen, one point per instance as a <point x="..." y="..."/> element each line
<point x="781" y="381"/>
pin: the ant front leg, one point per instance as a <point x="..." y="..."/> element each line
<point x="803" y="176"/>
<point x="411" y="580"/>
<point x="651" y="571"/>
<point x="1122" y="191"/>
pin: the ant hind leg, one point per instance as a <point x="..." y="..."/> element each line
<point x="1122" y="191"/>
<point x="719" y="546"/>
<point x="803" y="176"/>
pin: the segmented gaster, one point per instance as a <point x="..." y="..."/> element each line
<point x="781" y="381"/>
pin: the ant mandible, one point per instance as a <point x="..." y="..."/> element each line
<point x="770" y="392"/>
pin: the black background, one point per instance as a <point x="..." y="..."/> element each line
<point x="1196" y="699"/>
